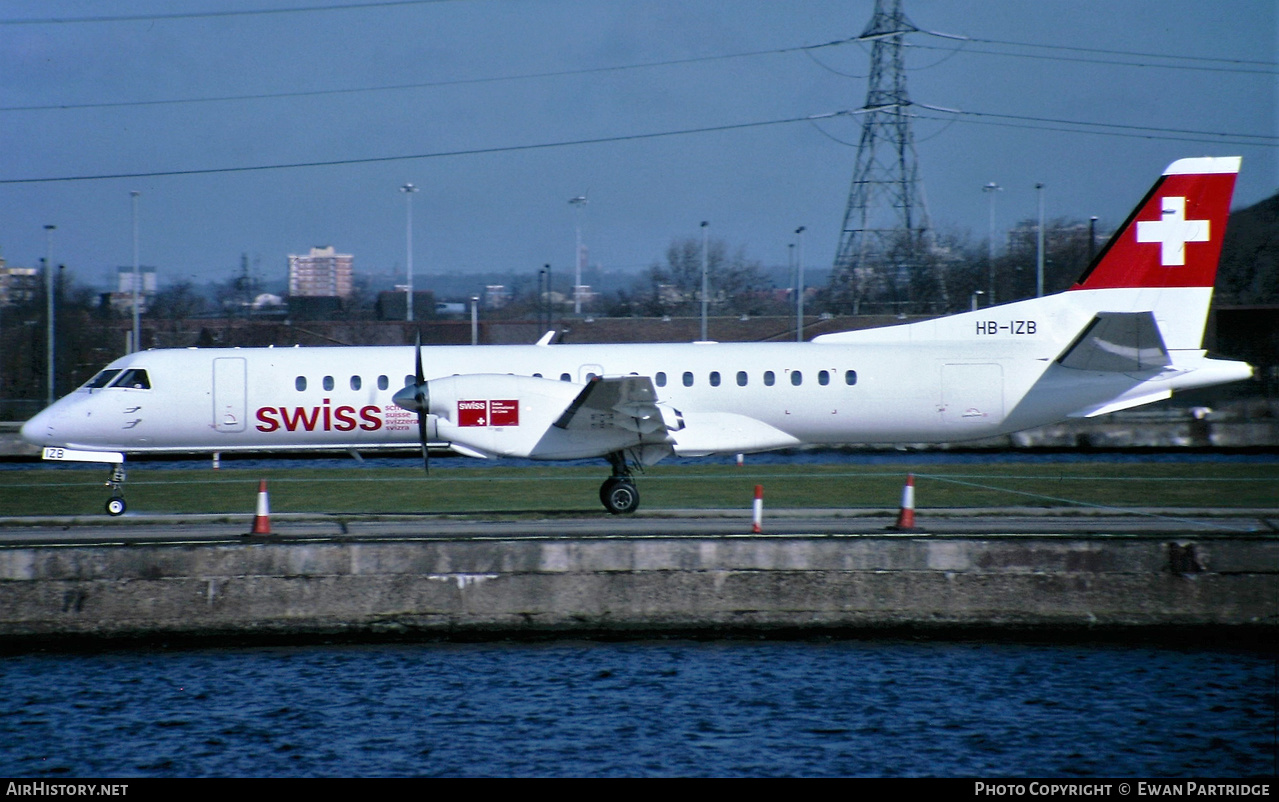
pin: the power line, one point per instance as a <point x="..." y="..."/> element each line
<point x="1272" y="70"/>
<point x="416" y="156"/>
<point x="1237" y="65"/>
<point x="1099" y="129"/>
<point x="1135" y="54"/>
<point x="252" y="12"/>
<point x="1266" y="138"/>
<point x="425" y="84"/>
<point x="950" y="115"/>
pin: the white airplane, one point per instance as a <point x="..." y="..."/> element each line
<point x="1127" y="333"/>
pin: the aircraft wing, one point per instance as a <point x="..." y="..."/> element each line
<point x="616" y="402"/>
<point x="1119" y="342"/>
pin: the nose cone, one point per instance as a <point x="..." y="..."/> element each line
<point x="40" y="430"/>
<point x="414" y="398"/>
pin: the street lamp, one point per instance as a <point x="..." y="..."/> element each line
<point x="550" y="307"/>
<point x="137" y="279"/>
<point x="705" y="288"/>
<point x="990" y="189"/>
<point x="48" y="306"/>
<point x="799" y="298"/>
<point x="974" y="298"/>
<point x="579" y="203"/>
<point x="1092" y="237"/>
<point x="1039" y="245"/>
<point x="408" y="190"/>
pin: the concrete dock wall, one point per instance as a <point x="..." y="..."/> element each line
<point x="538" y="585"/>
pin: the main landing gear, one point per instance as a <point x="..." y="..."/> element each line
<point x="115" y="505"/>
<point x="618" y="493"/>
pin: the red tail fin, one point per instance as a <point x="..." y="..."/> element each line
<point x="1173" y="237"/>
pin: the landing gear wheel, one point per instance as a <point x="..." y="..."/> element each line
<point x="116" y="505"/>
<point x="607" y="488"/>
<point x="619" y="496"/>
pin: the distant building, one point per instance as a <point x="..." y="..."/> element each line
<point x="146" y="278"/>
<point x="393" y="305"/>
<point x="18" y="284"/>
<point x="323" y="273"/>
<point x="1024" y="236"/>
<point x="496" y="296"/>
<point x="121" y="299"/>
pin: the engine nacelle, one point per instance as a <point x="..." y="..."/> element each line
<point x="502" y="415"/>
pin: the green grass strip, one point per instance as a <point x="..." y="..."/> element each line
<point x="57" y="490"/>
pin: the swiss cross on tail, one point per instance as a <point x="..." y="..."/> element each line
<point x="1173" y="237"/>
<point x="1173" y="231"/>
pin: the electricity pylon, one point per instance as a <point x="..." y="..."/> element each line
<point x="884" y="255"/>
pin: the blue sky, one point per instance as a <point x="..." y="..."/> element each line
<point x="508" y="210"/>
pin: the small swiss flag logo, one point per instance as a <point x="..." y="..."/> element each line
<point x="488" y="413"/>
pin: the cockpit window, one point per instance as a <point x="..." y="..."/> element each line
<point x="102" y="379"/>
<point x="133" y="379"/>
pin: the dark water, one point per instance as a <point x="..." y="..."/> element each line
<point x="731" y="708"/>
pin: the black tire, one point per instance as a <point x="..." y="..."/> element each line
<point x="116" y="506"/>
<point x="620" y="496"/>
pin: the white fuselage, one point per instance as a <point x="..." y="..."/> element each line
<point x="959" y="378"/>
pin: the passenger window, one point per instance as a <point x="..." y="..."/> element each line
<point x="409" y="381"/>
<point x="537" y="375"/>
<point x="796" y="378"/>
<point x="688" y="378"/>
<point x="564" y="377"/>
<point x="850" y="377"/>
<point x="741" y="378"/>
<point x="328" y="382"/>
<point x="823" y="377"/>
<point x="714" y="378"/>
<point x="133" y="379"/>
<point x="383" y="382"/>
<point x="102" y="379"/>
<point x="661" y="378"/>
<point x="356" y="383"/>
<point x="300" y="383"/>
<point x="769" y="378"/>
<point x="590" y="376"/>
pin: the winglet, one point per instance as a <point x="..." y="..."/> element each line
<point x="1173" y="238"/>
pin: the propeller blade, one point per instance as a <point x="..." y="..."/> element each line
<point x="419" y="396"/>
<point x="417" y="354"/>
<point x="421" y="434"/>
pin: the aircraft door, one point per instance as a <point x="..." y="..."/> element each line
<point x="229" y="390"/>
<point x="972" y="395"/>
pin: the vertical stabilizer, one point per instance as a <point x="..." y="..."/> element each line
<point x="1163" y="259"/>
<point x="1173" y="237"/>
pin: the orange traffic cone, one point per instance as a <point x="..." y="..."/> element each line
<point x="906" y="515"/>
<point x="262" y="518"/>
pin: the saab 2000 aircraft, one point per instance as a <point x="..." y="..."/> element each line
<point x="1127" y="333"/>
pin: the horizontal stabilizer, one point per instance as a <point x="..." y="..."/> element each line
<point x="1119" y="342"/>
<point x="1122" y="403"/>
